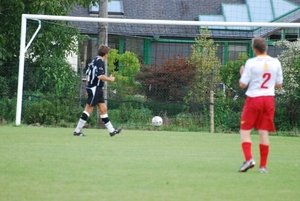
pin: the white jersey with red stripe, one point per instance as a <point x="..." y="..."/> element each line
<point x="261" y="73"/>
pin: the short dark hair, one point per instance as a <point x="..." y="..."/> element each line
<point x="259" y="44"/>
<point x="103" y="50"/>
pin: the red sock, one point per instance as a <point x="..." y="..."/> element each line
<point x="247" y="150"/>
<point x="264" y="152"/>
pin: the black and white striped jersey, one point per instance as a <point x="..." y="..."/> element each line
<point x="95" y="69"/>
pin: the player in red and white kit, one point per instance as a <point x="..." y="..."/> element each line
<point x="261" y="74"/>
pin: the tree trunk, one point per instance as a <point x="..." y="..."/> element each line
<point x="102" y="40"/>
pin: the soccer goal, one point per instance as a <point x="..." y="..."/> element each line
<point x="181" y="63"/>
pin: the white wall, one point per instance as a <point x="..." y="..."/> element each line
<point x="73" y="61"/>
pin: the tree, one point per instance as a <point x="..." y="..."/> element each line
<point x="102" y="39"/>
<point x="204" y="58"/>
<point x="103" y="13"/>
<point x="289" y="59"/>
<point x="124" y="67"/>
<point x="57" y="36"/>
<point x="289" y="95"/>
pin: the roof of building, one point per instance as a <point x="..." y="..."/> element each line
<point x="194" y="10"/>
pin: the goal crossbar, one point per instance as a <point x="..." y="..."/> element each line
<point x="159" y="22"/>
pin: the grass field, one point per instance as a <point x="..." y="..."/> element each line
<point x="41" y="164"/>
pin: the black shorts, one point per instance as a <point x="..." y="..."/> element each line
<point x="95" y="95"/>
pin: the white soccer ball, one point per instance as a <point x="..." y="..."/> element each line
<point x="157" y="121"/>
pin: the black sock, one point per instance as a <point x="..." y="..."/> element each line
<point x="105" y="120"/>
<point x="84" y="116"/>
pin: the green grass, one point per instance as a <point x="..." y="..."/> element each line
<point x="41" y="164"/>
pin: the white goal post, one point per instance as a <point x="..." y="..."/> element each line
<point x="24" y="47"/>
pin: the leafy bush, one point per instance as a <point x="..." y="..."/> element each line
<point x="127" y="114"/>
<point x="9" y="78"/>
<point x="230" y="73"/>
<point x="42" y="112"/>
<point x="168" y="81"/>
<point x="124" y="67"/>
<point x="50" y="112"/>
<point x="7" y="109"/>
<point x="289" y="95"/>
<point x="281" y="114"/>
<point x="58" y="79"/>
<point x="227" y="116"/>
<point x="4" y="89"/>
<point x="165" y="108"/>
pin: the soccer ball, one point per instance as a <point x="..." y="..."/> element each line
<point x="157" y="121"/>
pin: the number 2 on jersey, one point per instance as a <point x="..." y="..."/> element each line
<point x="266" y="77"/>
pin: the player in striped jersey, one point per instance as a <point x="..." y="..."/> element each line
<point x="95" y="77"/>
<point x="261" y="74"/>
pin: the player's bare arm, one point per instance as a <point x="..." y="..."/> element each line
<point x="87" y="80"/>
<point x="242" y="85"/>
<point x="278" y="86"/>
<point x="105" y="78"/>
<point x="242" y="70"/>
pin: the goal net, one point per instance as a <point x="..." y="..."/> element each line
<point x="184" y="71"/>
